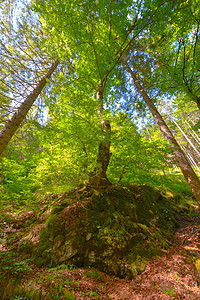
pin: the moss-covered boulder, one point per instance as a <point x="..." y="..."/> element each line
<point x="113" y="229"/>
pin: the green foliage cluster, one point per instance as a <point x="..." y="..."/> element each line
<point x="54" y="158"/>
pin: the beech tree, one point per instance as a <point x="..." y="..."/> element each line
<point x="95" y="35"/>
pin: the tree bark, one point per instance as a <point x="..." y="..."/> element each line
<point x="14" y="123"/>
<point x="98" y="177"/>
<point x="182" y="161"/>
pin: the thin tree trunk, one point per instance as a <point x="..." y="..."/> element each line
<point x="193" y="133"/>
<point x="98" y="177"/>
<point x="185" y="135"/>
<point x="194" y="125"/>
<point x="14" y="123"/>
<point x="183" y="163"/>
<point x="190" y="158"/>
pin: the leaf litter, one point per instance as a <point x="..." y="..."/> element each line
<point x="172" y="275"/>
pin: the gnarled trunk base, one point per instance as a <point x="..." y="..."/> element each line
<point x="98" y="177"/>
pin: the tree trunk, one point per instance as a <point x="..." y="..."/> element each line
<point x="193" y="133"/>
<point x="98" y="177"/>
<point x="14" y="123"/>
<point x="183" y="163"/>
<point x="185" y="136"/>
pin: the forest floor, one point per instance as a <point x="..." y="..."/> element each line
<point x="172" y="275"/>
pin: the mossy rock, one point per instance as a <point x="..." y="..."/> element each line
<point x="108" y="229"/>
<point x="154" y="209"/>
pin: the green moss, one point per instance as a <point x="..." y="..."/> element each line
<point x="68" y="295"/>
<point x="39" y="261"/>
<point x="154" y="210"/>
<point x="51" y="223"/>
<point x="44" y="242"/>
<point x="59" y="206"/>
<point x="197" y="265"/>
<point x="42" y="255"/>
<point x="59" y="238"/>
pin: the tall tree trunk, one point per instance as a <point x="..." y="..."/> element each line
<point x="98" y="177"/>
<point x="182" y="161"/>
<point x="14" y="123"/>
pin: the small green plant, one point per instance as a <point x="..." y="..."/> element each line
<point x="176" y="275"/>
<point x="60" y="287"/>
<point x="168" y="289"/>
<point x="193" y="256"/>
<point x="93" y="294"/>
<point x="63" y="267"/>
<point x="68" y="281"/>
<point x="94" y="274"/>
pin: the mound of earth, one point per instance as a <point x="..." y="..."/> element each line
<point x="115" y="229"/>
